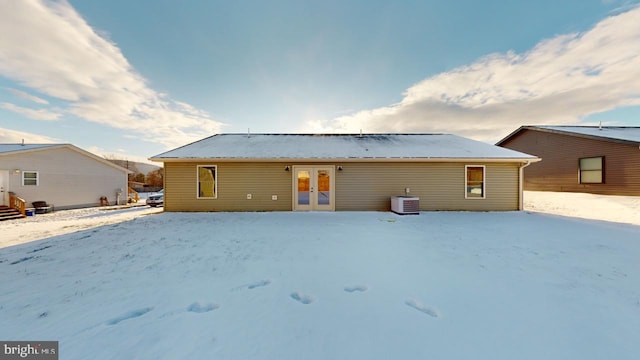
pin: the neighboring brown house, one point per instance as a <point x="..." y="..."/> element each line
<point x="293" y="172"/>
<point x="591" y="159"/>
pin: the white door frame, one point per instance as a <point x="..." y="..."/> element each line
<point x="315" y="199"/>
<point x="4" y="187"/>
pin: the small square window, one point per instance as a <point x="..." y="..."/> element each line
<point x="474" y="182"/>
<point x="30" y="178"/>
<point x="591" y="170"/>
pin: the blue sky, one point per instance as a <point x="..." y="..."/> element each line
<point x="132" y="79"/>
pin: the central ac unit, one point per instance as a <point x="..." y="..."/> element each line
<point x="404" y="205"/>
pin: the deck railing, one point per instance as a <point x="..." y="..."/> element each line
<point x="133" y="195"/>
<point x="17" y="203"/>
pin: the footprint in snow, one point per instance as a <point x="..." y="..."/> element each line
<point x="39" y="249"/>
<point x="359" y="288"/>
<point x="301" y="298"/>
<point x="195" y="307"/>
<point x="21" y="260"/>
<point x="199" y="309"/>
<point x="421" y="307"/>
<point x="130" y="315"/>
<point x="253" y="285"/>
<point x="258" y="284"/>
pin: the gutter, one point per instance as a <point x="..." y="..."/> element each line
<point x="520" y="184"/>
<point x="348" y="159"/>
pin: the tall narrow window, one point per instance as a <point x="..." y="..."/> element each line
<point x="324" y="187"/>
<point x="207" y="182"/>
<point x="304" y="194"/>
<point x="474" y="183"/>
<point x="29" y="178"/>
<point x="592" y="170"/>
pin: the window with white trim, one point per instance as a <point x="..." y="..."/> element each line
<point x="207" y="182"/>
<point x="30" y="178"/>
<point x="474" y="181"/>
<point x="591" y="170"/>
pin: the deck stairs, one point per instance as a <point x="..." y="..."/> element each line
<point x="7" y="213"/>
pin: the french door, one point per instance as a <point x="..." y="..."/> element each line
<point x="4" y="187"/>
<point x="313" y="188"/>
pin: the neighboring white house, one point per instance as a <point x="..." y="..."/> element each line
<point x="63" y="175"/>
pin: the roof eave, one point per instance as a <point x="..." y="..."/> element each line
<point x="569" y="133"/>
<point x="512" y="134"/>
<point x="353" y="159"/>
<point x="25" y="151"/>
<point x="589" y="136"/>
<point x="72" y="148"/>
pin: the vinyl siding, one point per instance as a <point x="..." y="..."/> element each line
<point x="560" y="153"/>
<point x="359" y="186"/>
<point x="235" y="181"/>
<point x="440" y="186"/>
<point x="67" y="179"/>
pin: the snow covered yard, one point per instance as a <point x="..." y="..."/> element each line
<point x="343" y="285"/>
<point x="43" y="226"/>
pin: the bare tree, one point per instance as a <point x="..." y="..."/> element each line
<point x="155" y="178"/>
<point x="139" y="177"/>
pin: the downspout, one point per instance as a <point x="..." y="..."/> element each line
<point x="521" y="186"/>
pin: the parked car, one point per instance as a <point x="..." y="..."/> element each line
<point x="156" y="199"/>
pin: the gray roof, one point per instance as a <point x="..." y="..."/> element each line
<point x="339" y="146"/>
<point x="626" y="134"/>
<point x="10" y="148"/>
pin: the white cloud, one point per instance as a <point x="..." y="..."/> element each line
<point x="8" y="136"/>
<point x="559" y="81"/>
<point x="28" y="96"/>
<point x="39" y="114"/>
<point x="620" y="5"/>
<point x="68" y="60"/>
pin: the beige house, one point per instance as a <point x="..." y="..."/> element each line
<point x="285" y="172"/>
<point x="62" y="175"/>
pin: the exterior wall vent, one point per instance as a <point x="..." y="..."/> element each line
<point x="405" y="205"/>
